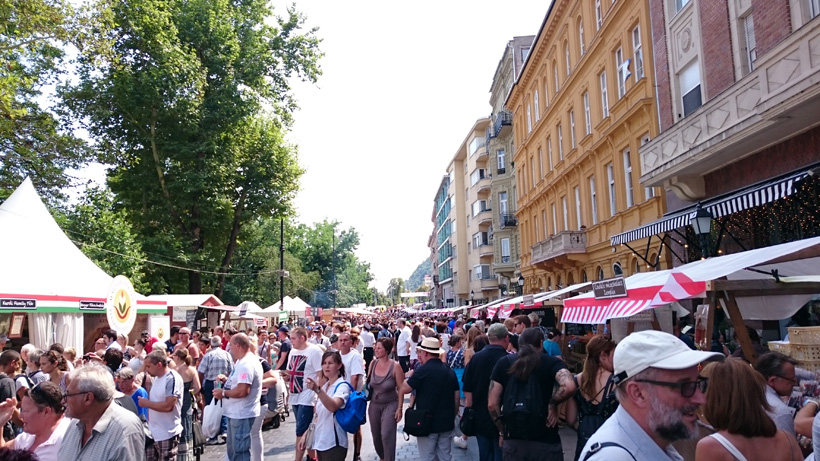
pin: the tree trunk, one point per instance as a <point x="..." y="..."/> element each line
<point x="226" y="260"/>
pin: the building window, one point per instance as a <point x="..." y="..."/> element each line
<point x="554" y="220"/>
<point x="622" y="72"/>
<point x="604" y="96"/>
<point x="587" y="118"/>
<point x="505" y="251"/>
<point x="610" y="176"/>
<point x="649" y="192"/>
<point x="566" y="54"/>
<point x="477" y="176"/>
<point x="544" y="220"/>
<point x="560" y="144"/>
<point x="502" y="160"/>
<point x="578" y="221"/>
<point x="481" y="239"/>
<point x="566" y="212"/>
<point x="690" y="88"/>
<point x="549" y="152"/>
<point x="599" y="18"/>
<point x="502" y="203"/>
<point x="679" y="4"/>
<point x="535" y="103"/>
<point x="593" y="200"/>
<point x="555" y="75"/>
<point x="637" y="52"/>
<point x="525" y="51"/>
<point x="546" y="94"/>
<point x="600" y="273"/>
<point x="581" y="35"/>
<point x="572" y="129"/>
<point x="814" y="8"/>
<point x="628" y="179"/>
<point x="482" y="272"/>
<point x="480" y="206"/>
<point x="541" y="162"/>
<point x="584" y="278"/>
<point x="532" y="171"/>
<point x="751" y="46"/>
<point x="535" y="225"/>
<point x="529" y="119"/>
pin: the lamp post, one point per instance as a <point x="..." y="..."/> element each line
<point x="520" y="284"/>
<point x="702" y="225"/>
<point x="472" y="297"/>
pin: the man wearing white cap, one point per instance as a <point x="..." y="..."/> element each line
<point x="660" y="390"/>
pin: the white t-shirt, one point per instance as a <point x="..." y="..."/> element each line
<point x="354" y="365"/>
<point x="46" y="451"/>
<point x="414" y="355"/>
<point x="401" y="344"/>
<point x="165" y="425"/>
<point x="247" y="370"/>
<point x="323" y="437"/>
<point x="367" y="339"/>
<point x="303" y="363"/>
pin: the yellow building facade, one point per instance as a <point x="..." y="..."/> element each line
<point x="582" y="107"/>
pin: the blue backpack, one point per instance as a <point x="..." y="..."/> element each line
<point x="352" y="416"/>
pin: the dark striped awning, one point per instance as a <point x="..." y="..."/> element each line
<point x="723" y="205"/>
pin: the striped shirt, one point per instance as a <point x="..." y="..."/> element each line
<point x="116" y="436"/>
<point x="216" y="362"/>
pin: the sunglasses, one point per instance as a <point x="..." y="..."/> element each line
<point x="687" y="388"/>
<point x="40" y="397"/>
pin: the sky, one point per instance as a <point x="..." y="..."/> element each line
<point x="402" y="84"/>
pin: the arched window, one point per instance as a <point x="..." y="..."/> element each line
<point x="570" y="279"/>
<point x="584" y="277"/>
<point x="566" y="53"/>
<point x="581" y="36"/>
<point x="617" y="270"/>
<point x="600" y="273"/>
<point x="637" y="266"/>
<point x="558" y="282"/>
<point x="549" y="283"/>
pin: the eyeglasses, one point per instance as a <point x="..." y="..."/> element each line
<point x="687" y="388"/>
<point x="791" y="380"/>
<point x="67" y="395"/>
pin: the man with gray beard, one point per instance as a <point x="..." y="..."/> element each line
<point x="659" y="390"/>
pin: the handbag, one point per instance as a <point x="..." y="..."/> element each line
<point x="467" y="422"/>
<point x="310" y="433"/>
<point x="212" y="418"/>
<point x="417" y="422"/>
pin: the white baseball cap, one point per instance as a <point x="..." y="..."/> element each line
<point x="654" y="349"/>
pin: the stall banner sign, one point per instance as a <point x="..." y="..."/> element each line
<point x="528" y="300"/>
<point x="160" y="327"/>
<point x="283" y="316"/>
<point x="645" y="316"/>
<point x="179" y="314"/>
<point x="190" y="319"/>
<point x="92" y="305"/>
<point x="263" y="322"/>
<point x="121" y="305"/>
<point x="18" y="303"/>
<point x="609" y="288"/>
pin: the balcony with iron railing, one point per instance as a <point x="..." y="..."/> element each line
<point x="508" y="220"/>
<point x="502" y="120"/>
<point x="559" y="246"/>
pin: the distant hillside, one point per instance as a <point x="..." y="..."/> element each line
<point x="417" y="278"/>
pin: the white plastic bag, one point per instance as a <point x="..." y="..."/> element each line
<point x="212" y="419"/>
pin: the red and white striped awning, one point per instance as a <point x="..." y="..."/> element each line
<point x="641" y="288"/>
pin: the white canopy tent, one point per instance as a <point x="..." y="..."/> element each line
<point x="44" y="269"/>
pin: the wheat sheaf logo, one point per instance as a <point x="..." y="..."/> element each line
<point x="120" y="305"/>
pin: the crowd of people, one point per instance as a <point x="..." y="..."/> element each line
<point x="504" y="383"/>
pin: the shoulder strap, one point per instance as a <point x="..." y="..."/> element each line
<point x="598" y="446"/>
<point x="344" y="382"/>
<point x="728" y="446"/>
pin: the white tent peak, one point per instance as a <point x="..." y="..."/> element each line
<point x="39" y="259"/>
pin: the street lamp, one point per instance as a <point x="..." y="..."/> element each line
<point x="702" y="225"/>
<point x="472" y="297"/>
<point x="521" y="284"/>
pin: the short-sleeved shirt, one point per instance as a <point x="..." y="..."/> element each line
<point x="353" y="366"/>
<point x="166" y="424"/>
<point x="140" y="392"/>
<point x="116" y="436"/>
<point x="477" y="380"/>
<point x="435" y="384"/>
<point x="401" y="342"/>
<point x="248" y="370"/>
<point x="622" y="429"/>
<point x="323" y="437"/>
<point x="38" y="377"/>
<point x="46" y="451"/>
<point x="781" y="414"/>
<point x="216" y="362"/>
<point x="546" y="378"/>
<point x="305" y="363"/>
<point x="284" y="351"/>
<point x="552" y="348"/>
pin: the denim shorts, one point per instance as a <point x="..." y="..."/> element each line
<point x="303" y="415"/>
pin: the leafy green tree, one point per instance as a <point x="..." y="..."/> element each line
<point x="188" y="105"/>
<point x="395" y="289"/>
<point x="32" y="142"/>
<point x="104" y="234"/>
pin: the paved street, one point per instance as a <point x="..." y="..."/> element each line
<point x="279" y="446"/>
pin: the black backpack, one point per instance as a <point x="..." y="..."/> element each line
<point x="28" y="379"/>
<point x="523" y="411"/>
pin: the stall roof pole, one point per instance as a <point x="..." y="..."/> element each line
<point x="740" y="328"/>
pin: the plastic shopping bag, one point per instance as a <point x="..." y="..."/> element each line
<point x="212" y="419"/>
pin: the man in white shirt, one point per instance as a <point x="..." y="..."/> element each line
<point x="164" y="404"/>
<point x="241" y="394"/>
<point x="304" y="361"/>
<point x="402" y="351"/>
<point x="778" y="370"/>
<point x="368" y="340"/>
<point x="354" y="374"/>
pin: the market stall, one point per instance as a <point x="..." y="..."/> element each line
<point x="60" y="291"/>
